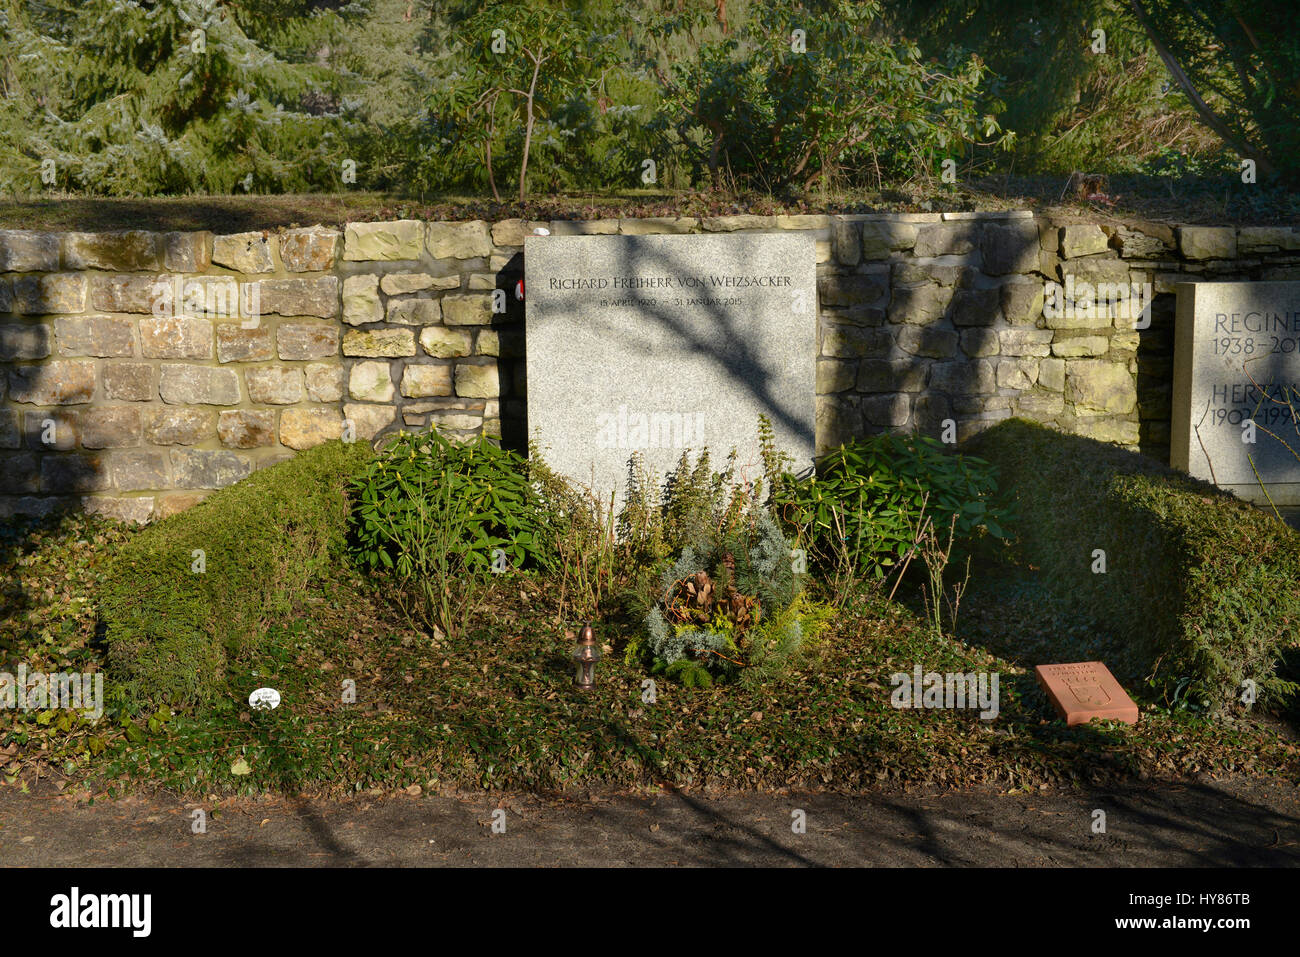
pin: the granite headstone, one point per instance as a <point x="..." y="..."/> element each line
<point x="1237" y="378"/>
<point x="662" y="344"/>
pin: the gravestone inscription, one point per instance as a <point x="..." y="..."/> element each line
<point x="1083" y="690"/>
<point x="1237" y="387"/>
<point x="661" y="344"/>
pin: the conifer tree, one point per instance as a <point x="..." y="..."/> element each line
<point x="173" y="96"/>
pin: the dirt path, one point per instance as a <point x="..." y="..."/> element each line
<point x="1236" y="822"/>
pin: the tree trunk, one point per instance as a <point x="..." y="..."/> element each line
<point x="1208" y="116"/>
<point x="528" y="127"/>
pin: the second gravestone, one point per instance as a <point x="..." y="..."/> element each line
<point x="659" y="344"/>
<point x="1237" y="379"/>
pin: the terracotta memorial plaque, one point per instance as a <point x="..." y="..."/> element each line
<point x="1086" y="690"/>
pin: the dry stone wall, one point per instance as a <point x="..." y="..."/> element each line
<point x="140" y="370"/>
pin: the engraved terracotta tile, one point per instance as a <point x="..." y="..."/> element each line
<point x="1086" y="690"/>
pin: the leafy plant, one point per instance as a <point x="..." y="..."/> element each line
<point x="731" y="603"/>
<point x="1237" y="69"/>
<point x="584" y="540"/>
<point x="800" y="91"/>
<point x="692" y="507"/>
<point x="865" y="500"/>
<point x="521" y="61"/>
<point x="175" y="96"/>
<point x="477" y="489"/>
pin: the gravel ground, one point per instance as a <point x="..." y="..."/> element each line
<point x="1233" y="822"/>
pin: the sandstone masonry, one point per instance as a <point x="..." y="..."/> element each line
<point x="140" y="370"/>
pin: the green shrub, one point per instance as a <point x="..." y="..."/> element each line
<point x="175" y="634"/>
<point x="441" y="517"/>
<point x="690" y="508"/>
<point x="1201" y="590"/>
<point x="488" y="493"/>
<point x="585" y="542"/>
<point x="866" y="500"/>
<point x="730" y="604"/>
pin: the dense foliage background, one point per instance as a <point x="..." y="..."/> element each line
<point x="150" y="97"/>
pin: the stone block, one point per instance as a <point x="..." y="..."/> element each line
<point x="919" y="303"/>
<point x="881" y="239"/>
<point x="1207" y="242"/>
<point x="182" y="384"/>
<point x="976" y="307"/>
<point x="64" y="474"/>
<point x="379" y="343"/>
<point x="23" y="250"/>
<point x="52" y="430"/>
<point x="46" y="295"/>
<point x="245" y="252"/>
<point x="198" y="468"/>
<point x="446" y="343"/>
<point x="99" y="336"/>
<point x="176" y="338"/>
<point x="110" y="427"/>
<point x="1010" y="247"/>
<point x="131" y="250"/>
<point x="324" y="382"/>
<point x="946" y="239"/>
<point x="317" y="297"/>
<point x="1080" y="346"/>
<point x="177" y="426"/>
<point x="1093" y="384"/>
<point x="929" y="341"/>
<point x="53" y="383"/>
<point x="891" y="375"/>
<point x="379" y="242"/>
<point x="307" y="340"/>
<point x="369" y="420"/>
<point x="187" y="252"/>
<point x="141" y="470"/>
<point x="361" y="300"/>
<point x="371" y="381"/>
<point x="237" y="344"/>
<point x="419" y="381"/>
<point x="1082" y="239"/>
<point x="477" y="381"/>
<point x="1025" y="342"/>
<point x="467" y="309"/>
<point x="974" y="377"/>
<point x="400" y="284"/>
<point x="246" y="428"/>
<point x="458" y="240"/>
<point x="130" y="381"/>
<point x="309" y="250"/>
<point x="307" y="428"/>
<point x="24" y="340"/>
<point x="274" y="385"/>
<point x="414" y="312"/>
